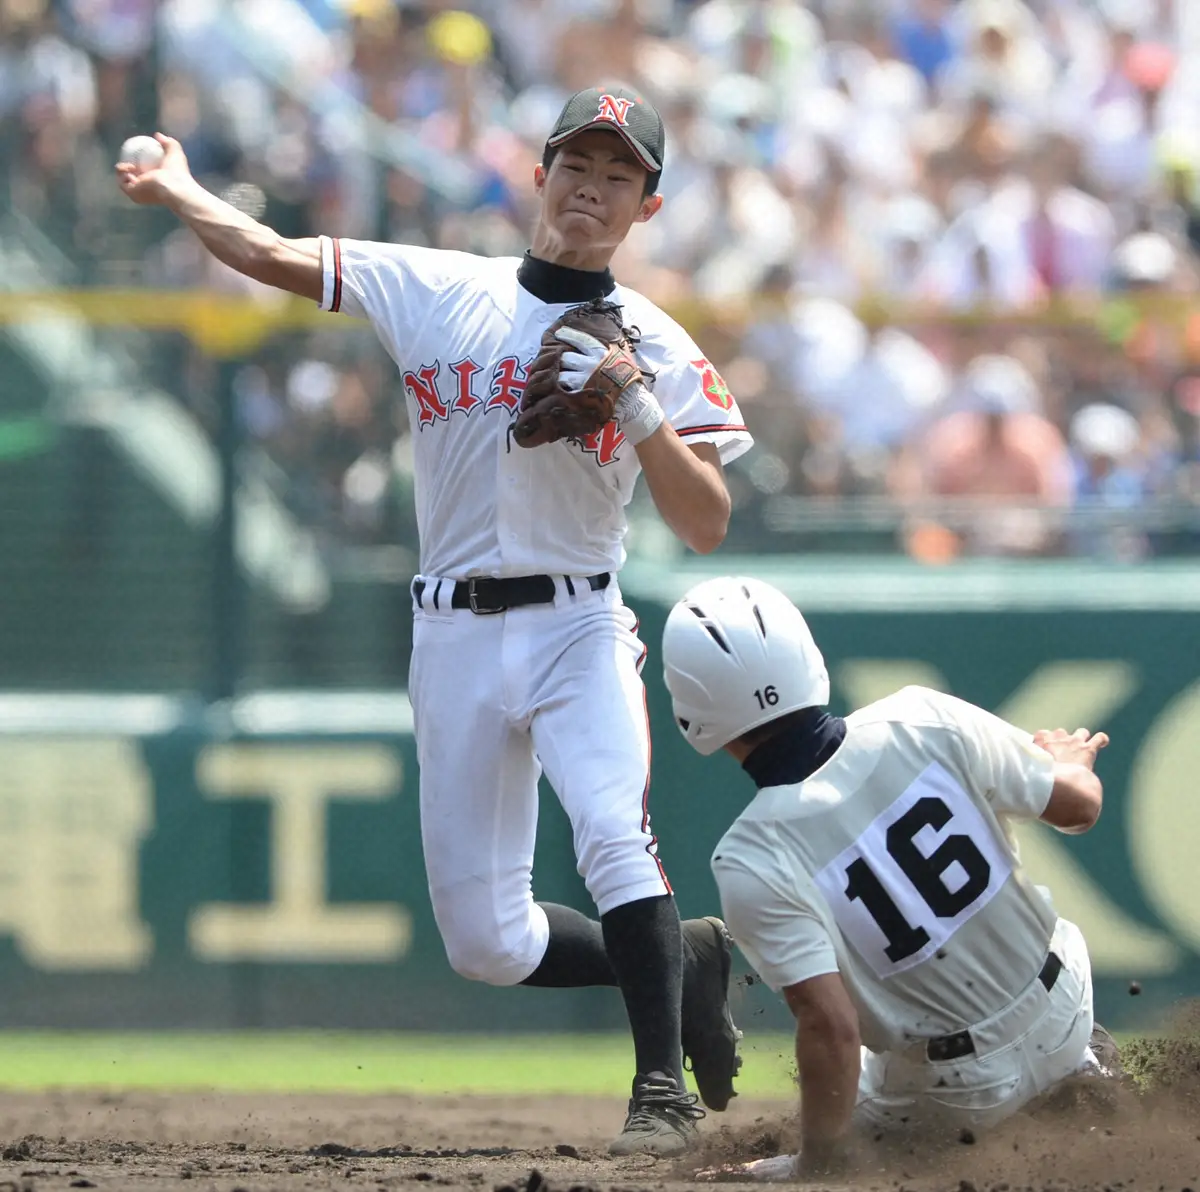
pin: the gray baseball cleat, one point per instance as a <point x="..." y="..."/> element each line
<point x="661" y="1120"/>
<point x="1106" y="1052"/>
<point x="710" y="1039"/>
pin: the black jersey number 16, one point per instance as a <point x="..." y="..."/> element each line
<point x="924" y="872"/>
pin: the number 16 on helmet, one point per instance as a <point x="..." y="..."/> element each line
<point x="737" y="653"/>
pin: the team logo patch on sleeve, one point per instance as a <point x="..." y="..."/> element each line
<point x="714" y="387"/>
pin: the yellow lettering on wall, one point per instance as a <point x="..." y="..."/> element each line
<point x="1164" y="814"/>
<point x="864" y="680"/>
<point x="73" y="811"/>
<point x="1070" y="695"/>
<point x="299" y="923"/>
<point x="1119" y="945"/>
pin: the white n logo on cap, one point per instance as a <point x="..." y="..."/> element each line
<point x="615" y="109"/>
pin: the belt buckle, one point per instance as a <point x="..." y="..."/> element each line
<point x="473" y="598"/>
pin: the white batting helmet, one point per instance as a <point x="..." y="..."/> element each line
<point x="737" y="653"/>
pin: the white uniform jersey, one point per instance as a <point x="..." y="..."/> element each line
<point x="893" y="865"/>
<point x="462" y="330"/>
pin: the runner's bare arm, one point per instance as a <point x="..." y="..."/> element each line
<point x="828" y="1058"/>
<point x="230" y="235"/>
<point x="1077" y="795"/>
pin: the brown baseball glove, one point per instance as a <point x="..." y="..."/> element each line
<point x="558" y="404"/>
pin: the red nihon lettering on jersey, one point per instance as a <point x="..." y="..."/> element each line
<point x="603" y="443"/>
<point x="465" y="371"/>
<point x="615" y="109"/>
<point x="508" y="383"/>
<point x="423" y="387"/>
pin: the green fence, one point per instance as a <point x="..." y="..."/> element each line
<point x="171" y="863"/>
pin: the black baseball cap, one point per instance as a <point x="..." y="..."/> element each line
<point x="631" y="116"/>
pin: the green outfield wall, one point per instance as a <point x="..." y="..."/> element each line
<point x="167" y="863"/>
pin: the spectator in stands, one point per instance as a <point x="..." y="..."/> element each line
<point x="1065" y="234"/>
<point x="1123" y="131"/>
<point x="998" y="448"/>
<point x="1175" y="468"/>
<point x="1109" y="478"/>
<point x="1006" y="56"/>
<point x="924" y="37"/>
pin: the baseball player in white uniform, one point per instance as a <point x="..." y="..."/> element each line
<point x="874" y="881"/>
<point x="525" y="657"/>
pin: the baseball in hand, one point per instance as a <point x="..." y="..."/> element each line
<point x="143" y="152"/>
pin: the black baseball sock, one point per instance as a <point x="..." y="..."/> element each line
<point x="645" y="948"/>
<point x="575" y="955"/>
<point x="637" y="946"/>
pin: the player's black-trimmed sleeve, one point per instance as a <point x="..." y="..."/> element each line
<point x="332" y="293"/>
<point x="386" y="283"/>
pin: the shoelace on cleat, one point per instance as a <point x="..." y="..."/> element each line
<point x="653" y="1101"/>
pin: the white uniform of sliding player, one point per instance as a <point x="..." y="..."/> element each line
<point x="894" y="865"/>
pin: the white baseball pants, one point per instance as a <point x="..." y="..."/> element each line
<point x="1020" y="1053"/>
<point x="497" y="698"/>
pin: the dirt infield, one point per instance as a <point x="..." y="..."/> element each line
<point x="196" y="1142"/>
<point x="1091" y="1134"/>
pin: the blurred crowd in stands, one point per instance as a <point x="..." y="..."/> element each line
<point x="937" y="247"/>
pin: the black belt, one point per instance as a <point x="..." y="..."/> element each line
<point x="960" y="1044"/>
<point x="484" y="594"/>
